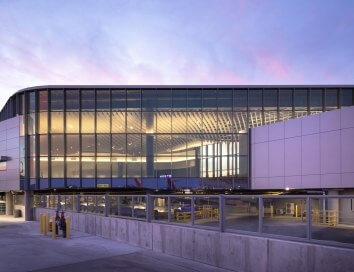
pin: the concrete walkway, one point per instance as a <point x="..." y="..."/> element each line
<point x="23" y="249"/>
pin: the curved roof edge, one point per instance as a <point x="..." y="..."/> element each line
<point x="187" y="86"/>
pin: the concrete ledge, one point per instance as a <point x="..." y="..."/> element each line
<point x="225" y="250"/>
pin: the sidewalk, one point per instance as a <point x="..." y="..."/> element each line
<point x="22" y="248"/>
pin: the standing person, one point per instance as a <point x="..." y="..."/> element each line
<point x="63" y="224"/>
<point x="56" y="222"/>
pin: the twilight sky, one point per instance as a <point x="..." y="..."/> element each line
<point x="45" y="42"/>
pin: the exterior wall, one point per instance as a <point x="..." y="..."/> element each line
<point x="310" y="152"/>
<point x="226" y="250"/>
<point x="9" y="147"/>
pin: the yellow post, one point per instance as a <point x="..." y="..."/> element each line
<point x="271" y="210"/>
<point x="296" y="211"/>
<point x="45" y="229"/>
<point x="40" y="224"/>
<point x="68" y="227"/>
<point x="54" y="226"/>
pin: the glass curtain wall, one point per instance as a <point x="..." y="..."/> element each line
<point x="155" y="138"/>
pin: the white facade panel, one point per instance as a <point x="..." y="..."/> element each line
<point x="318" y="152"/>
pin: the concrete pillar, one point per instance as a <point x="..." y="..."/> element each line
<point x="28" y="205"/>
<point x="9" y="204"/>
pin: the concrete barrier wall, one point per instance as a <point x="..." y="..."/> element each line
<point x="225" y="250"/>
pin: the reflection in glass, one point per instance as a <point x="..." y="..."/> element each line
<point x="270" y="99"/>
<point x="179" y="99"/>
<point x="194" y="99"/>
<point x="209" y="99"/>
<point x="133" y="100"/>
<point x="148" y="100"/>
<point x="331" y="98"/>
<point x="240" y="99"/>
<point x="32" y="145"/>
<point x="300" y="99"/>
<point x="32" y="167"/>
<point x="32" y="102"/>
<point x="119" y="145"/>
<point x="315" y="99"/>
<point x="225" y="99"/>
<point x="118" y="167"/>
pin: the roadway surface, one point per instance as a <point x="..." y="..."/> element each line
<point x="22" y="248"/>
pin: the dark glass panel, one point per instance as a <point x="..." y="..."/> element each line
<point x="133" y="99"/>
<point x="225" y="99"/>
<point x="255" y="99"/>
<point x="347" y="97"/>
<point x="240" y="99"/>
<point x="88" y="100"/>
<point x="31" y="123"/>
<point x="103" y="100"/>
<point x="164" y="100"/>
<point x="300" y="99"/>
<point x="57" y="145"/>
<point x="57" y="100"/>
<point x="210" y="99"/>
<point x="316" y="99"/>
<point x="179" y="99"/>
<point x="43" y="100"/>
<point x="32" y="102"/>
<point x="88" y="145"/>
<point x="103" y="145"/>
<point x="72" y="100"/>
<point x="286" y="99"/>
<point x="149" y="99"/>
<point x="270" y="99"/>
<point x="72" y="145"/>
<point x="194" y="100"/>
<point x="43" y="145"/>
<point x="331" y="99"/>
<point x="119" y="100"/>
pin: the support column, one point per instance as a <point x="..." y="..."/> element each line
<point x="9" y="204"/>
<point x="28" y="205"/>
<point x="333" y="207"/>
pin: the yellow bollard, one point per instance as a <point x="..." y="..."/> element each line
<point x="271" y="210"/>
<point x="68" y="227"/>
<point x="45" y="230"/>
<point x="296" y="211"/>
<point x="54" y="226"/>
<point x="41" y="230"/>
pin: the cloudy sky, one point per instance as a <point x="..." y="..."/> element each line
<point x="45" y="42"/>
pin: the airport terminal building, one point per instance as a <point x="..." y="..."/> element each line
<point x="151" y="137"/>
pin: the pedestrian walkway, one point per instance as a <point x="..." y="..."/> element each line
<point x="22" y="248"/>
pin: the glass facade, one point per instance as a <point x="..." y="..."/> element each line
<point x="157" y="138"/>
